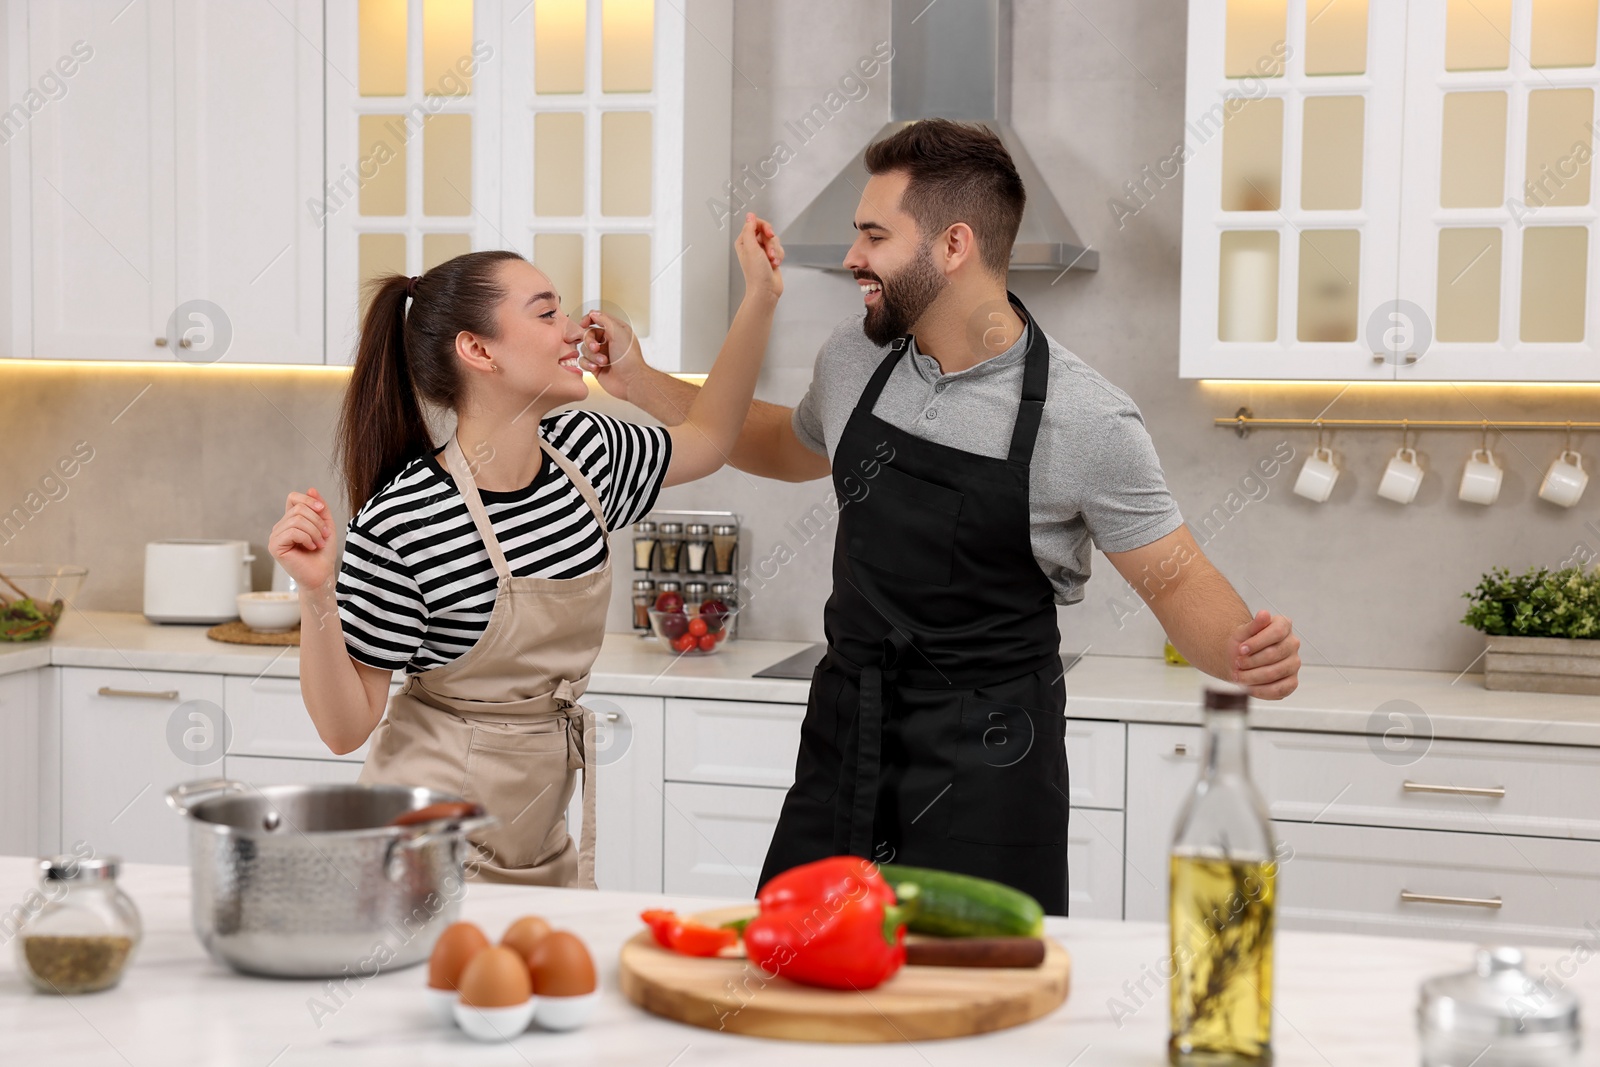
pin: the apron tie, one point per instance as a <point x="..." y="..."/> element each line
<point x="877" y="680"/>
<point x="580" y="744"/>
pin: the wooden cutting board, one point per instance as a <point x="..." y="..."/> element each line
<point x="917" y="1004"/>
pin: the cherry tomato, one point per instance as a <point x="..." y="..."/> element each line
<point x="720" y="635"/>
<point x="708" y="642"/>
<point x="697" y="626"/>
<point x="669" y="601"/>
<point x="685" y="642"/>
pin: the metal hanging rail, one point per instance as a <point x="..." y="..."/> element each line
<point x="1244" y="420"/>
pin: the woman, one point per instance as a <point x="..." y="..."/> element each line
<point x="487" y="578"/>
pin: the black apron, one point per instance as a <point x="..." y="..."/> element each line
<point x="933" y="734"/>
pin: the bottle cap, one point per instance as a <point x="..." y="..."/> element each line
<point x="672" y="527"/>
<point x="76" y="869"/>
<point x="644" y="526"/>
<point x="698" y="529"/>
<point x="724" y="528"/>
<point x="1227" y="698"/>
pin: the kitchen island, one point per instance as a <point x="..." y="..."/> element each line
<point x="1341" y="999"/>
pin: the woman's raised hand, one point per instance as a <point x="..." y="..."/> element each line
<point x="760" y="255"/>
<point x="303" y="540"/>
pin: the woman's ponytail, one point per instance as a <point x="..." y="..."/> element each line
<point x="406" y="355"/>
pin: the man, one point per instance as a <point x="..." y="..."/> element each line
<point x="991" y="457"/>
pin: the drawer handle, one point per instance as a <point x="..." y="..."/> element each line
<point x="1456" y="790"/>
<point x="1180" y="750"/>
<point x="1428" y="898"/>
<point x="607" y="716"/>
<point x="143" y="694"/>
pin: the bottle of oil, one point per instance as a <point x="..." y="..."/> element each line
<point x="1224" y="880"/>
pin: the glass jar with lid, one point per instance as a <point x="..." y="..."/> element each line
<point x="644" y="545"/>
<point x="83" y="934"/>
<point x="644" y="598"/>
<point x="671" y="546"/>
<point x="1495" y="1014"/>
<point x="696" y="547"/>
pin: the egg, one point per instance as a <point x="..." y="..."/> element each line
<point x="561" y="966"/>
<point x="523" y="934"/>
<point x="456" y="947"/>
<point x="496" y="978"/>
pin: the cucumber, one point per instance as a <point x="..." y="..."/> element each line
<point x="960" y="905"/>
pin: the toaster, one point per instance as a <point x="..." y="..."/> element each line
<point x="190" y="580"/>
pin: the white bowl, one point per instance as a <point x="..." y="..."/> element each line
<point x="495" y="1024"/>
<point x="443" y="1004"/>
<point x="270" y="612"/>
<point x="566" y="1013"/>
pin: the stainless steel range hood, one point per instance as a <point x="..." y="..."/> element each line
<point x="952" y="59"/>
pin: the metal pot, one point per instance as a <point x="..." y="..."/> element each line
<point x="309" y="881"/>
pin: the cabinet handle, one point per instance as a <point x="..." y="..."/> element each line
<point x="143" y="694"/>
<point x="161" y="342"/>
<point x="608" y="716"/>
<point x="184" y="342"/>
<point x="1180" y="750"/>
<point x="1428" y="898"/>
<point x="1455" y="790"/>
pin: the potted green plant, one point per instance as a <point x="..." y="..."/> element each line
<point x="1542" y="629"/>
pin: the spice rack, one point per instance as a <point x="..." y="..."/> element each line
<point x="694" y="553"/>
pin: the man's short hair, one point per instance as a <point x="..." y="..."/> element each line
<point x="959" y="172"/>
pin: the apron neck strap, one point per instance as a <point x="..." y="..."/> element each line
<point x="1035" y="386"/>
<point x="455" y="461"/>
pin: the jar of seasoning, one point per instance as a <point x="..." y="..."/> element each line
<point x="671" y="546"/>
<point x="728" y="593"/>
<point x="668" y="585"/>
<point x="644" y="598"/>
<point x="84" y="933"/>
<point x="644" y="545"/>
<point x="1496" y="1015"/>
<point x="697" y="547"/>
<point x="724" y="539"/>
<point x="694" y="592"/>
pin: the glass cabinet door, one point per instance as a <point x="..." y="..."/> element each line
<point x="1291" y="199"/>
<point x="1497" y="236"/>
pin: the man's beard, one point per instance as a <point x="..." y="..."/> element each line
<point x="905" y="296"/>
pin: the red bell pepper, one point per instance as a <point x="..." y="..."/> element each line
<point x="689" y="938"/>
<point x="833" y="923"/>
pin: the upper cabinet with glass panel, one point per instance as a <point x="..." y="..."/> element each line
<point x="1320" y="243"/>
<point x="556" y="128"/>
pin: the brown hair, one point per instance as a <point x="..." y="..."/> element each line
<point x="960" y="172"/>
<point x="405" y="357"/>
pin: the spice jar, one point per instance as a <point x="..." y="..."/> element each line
<point x="724" y="539"/>
<point x="644" y="597"/>
<point x="694" y="592"/>
<point x="728" y="592"/>
<point x="644" y="545"/>
<point x="697" y="547"/>
<point x="671" y="545"/>
<point x="668" y="585"/>
<point x="81" y="938"/>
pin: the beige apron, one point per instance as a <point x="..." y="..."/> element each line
<point x="501" y="725"/>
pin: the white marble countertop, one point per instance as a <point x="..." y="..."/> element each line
<point x="1340" y="999"/>
<point x="1119" y="688"/>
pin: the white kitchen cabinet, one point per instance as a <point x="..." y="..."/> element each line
<point x="128" y="736"/>
<point x="1428" y="883"/>
<point x="170" y="183"/>
<point x="269" y="718"/>
<point x="593" y="139"/>
<point x="628" y="798"/>
<point x="716" y="838"/>
<point x="1163" y="765"/>
<point x="1094" y="864"/>
<point x="732" y="742"/>
<point x="1096" y="763"/>
<point x="1402" y="191"/>
<point x="19" y="763"/>
<point x="269" y="770"/>
<point x="1469" y="786"/>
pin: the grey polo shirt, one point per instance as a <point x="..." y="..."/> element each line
<point x="1095" y="475"/>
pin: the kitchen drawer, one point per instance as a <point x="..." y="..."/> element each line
<point x="1163" y="765"/>
<point x="268" y="718"/>
<point x="732" y="742"/>
<point x="1096" y="759"/>
<point x="1094" y="864"/>
<point x="270" y="770"/>
<point x="128" y="736"/>
<point x="1350" y="878"/>
<point x="1548" y="790"/>
<point x="716" y="838"/>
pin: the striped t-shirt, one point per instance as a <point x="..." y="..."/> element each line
<point x="416" y="585"/>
